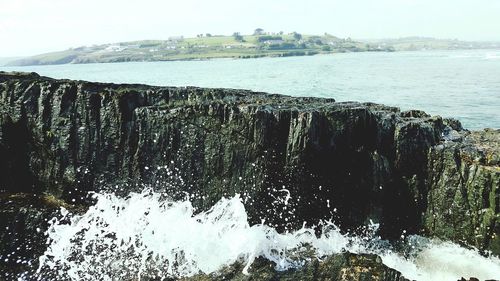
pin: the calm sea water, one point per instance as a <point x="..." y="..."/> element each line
<point x="460" y="84"/>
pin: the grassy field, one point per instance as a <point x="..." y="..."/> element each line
<point x="204" y="47"/>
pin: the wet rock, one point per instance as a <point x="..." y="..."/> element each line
<point x="414" y="113"/>
<point x="338" y="267"/>
<point x="350" y="162"/>
<point x="454" y="124"/>
<point x="464" y="191"/>
<point x="23" y="222"/>
<point x="451" y="135"/>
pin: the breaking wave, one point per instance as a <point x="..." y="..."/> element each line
<point x="149" y="235"/>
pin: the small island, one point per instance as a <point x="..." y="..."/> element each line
<point x="237" y="46"/>
<point x="206" y="46"/>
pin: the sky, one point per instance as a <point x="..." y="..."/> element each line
<point x="29" y="27"/>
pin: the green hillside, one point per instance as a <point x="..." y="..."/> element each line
<point x="204" y="47"/>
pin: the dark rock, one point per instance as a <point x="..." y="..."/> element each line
<point x="342" y="267"/>
<point x="464" y="191"/>
<point x="414" y="113"/>
<point x="454" y="124"/>
<point x="348" y="161"/>
<point x="451" y="135"/>
<point x="23" y="222"/>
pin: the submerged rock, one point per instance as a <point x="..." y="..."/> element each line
<point x="294" y="160"/>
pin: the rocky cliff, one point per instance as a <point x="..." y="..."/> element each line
<point x="353" y="162"/>
<point x="464" y="190"/>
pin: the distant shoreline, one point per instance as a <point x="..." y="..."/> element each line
<point x="243" y="58"/>
<point x="237" y="46"/>
<point x="205" y="47"/>
<point x="283" y="55"/>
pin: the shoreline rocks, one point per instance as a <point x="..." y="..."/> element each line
<point x="347" y="161"/>
<point x="342" y="267"/>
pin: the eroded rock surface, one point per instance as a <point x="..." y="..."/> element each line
<point x="353" y="162"/>
<point x="350" y="161"/>
<point x="464" y="190"/>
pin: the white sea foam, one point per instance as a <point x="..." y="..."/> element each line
<point x="437" y="260"/>
<point x="147" y="234"/>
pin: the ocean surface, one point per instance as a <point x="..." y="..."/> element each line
<point x="461" y="84"/>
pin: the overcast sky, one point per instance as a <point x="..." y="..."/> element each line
<point x="30" y="27"/>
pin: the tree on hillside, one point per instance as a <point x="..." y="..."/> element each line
<point x="258" y="31"/>
<point x="297" y="36"/>
<point x="208" y="35"/>
<point x="237" y="36"/>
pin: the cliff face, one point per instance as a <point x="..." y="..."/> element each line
<point x="464" y="190"/>
<point x="350" y="161"/>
